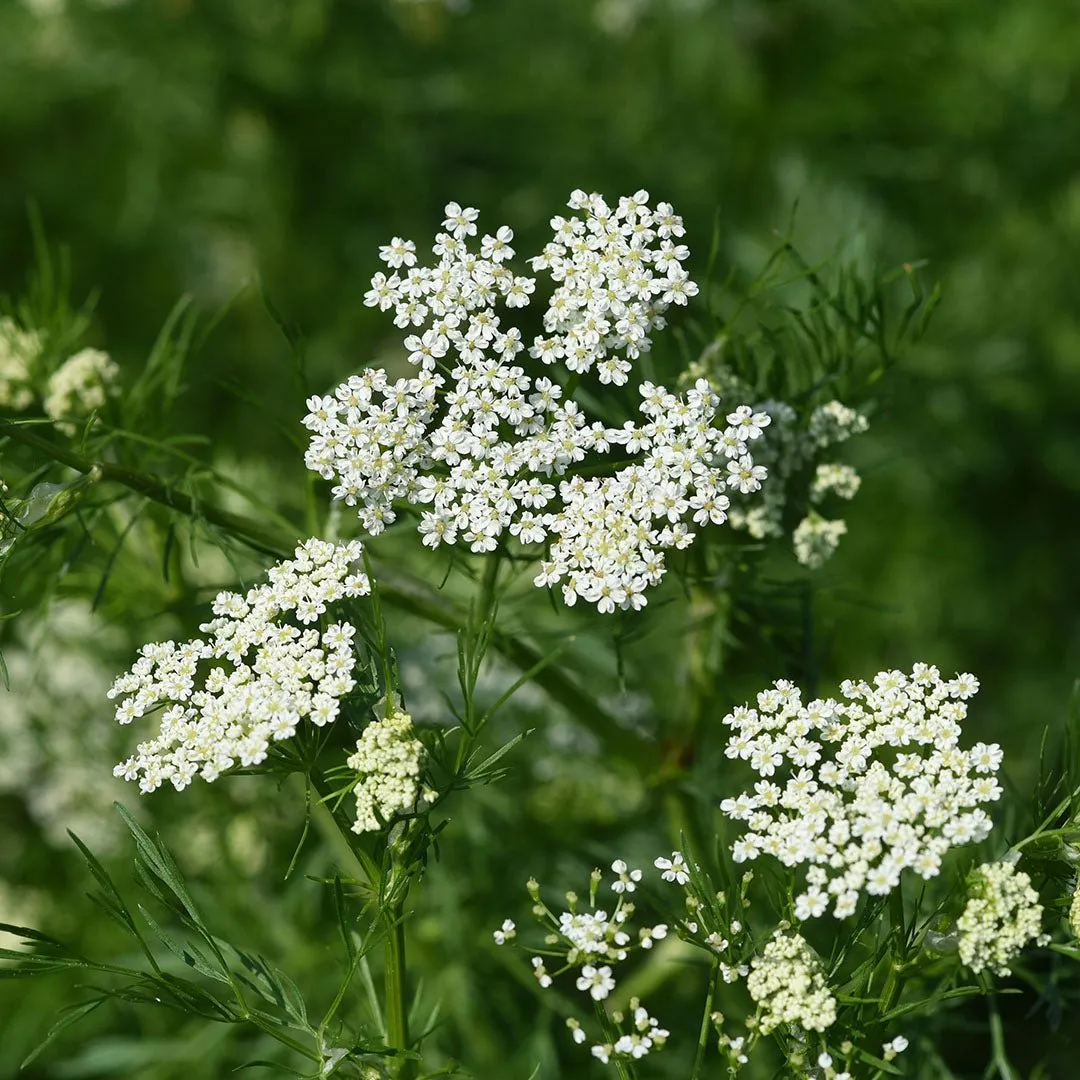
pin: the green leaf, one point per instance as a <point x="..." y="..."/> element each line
<point x="158" y="382"/>
<point x="478" y="774"/>
<point x="72" y="1015"/>
<point x="157" y="859"/>
<point x="878" y="1063"/>
<point x="189" y="953"/>
<point x="101" y="876"/>
<point x="28" y="933"/>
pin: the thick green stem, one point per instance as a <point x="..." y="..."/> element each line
<point x="897" y="960"/>
<point x="395" y="1003"/>
<point x="397" y="1008"/>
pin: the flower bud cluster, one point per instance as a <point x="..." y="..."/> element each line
<point x="591" y="942"/>
<point x="264" y="676"/>
<point x="1002" y="915"/>
<point x="862" y="788"/>
<point x="1074" y="912"/>
<point x="19" y="350"/>
<point x="788" y="986"/>
<point x="486" y="449"/>
<point x="388" y="758"/>
<point x="80" y="385"/>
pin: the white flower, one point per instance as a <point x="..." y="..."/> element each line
<point x="674" y="869"/>
<point x="81" y="384"/>
<point x="597" y="982"/>
<point x="861" y="789"/>
<point x="577" y="1032"/>
<point x="894" y="1047"/>
<point x="460" y="222"/>
<point x="19" y="353"/>
<point x="265" y="675"/>
<point x="398" y="253"/>
<point x="485" y="450"/>
<point x="388" y="760"/>
<point x="628" y="878"/>
<point x="1001" y="917"/>
<point x="505" y="933"/>
<point x="788" y="986"/>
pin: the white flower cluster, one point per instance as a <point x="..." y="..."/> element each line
<point x="645" y="1034"/>
<point x="788" y="986"/>
<point x="487" y="449"/>
<point x="388" y="758"/>
<point x="592" y="942"/>
<point x="1074" y="912"/>
<point x="816" y="539"/>
<point x="791" y="447"/>
<point x="19" y="350"/>
<point x="703" y="924"/>
<point x="265" y="677"/>
<point x="1002" y="915"/>
<point x="80" y="385"/>
<point x="863" y="788"/>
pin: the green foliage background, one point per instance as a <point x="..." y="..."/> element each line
<point x="181" y="147"/>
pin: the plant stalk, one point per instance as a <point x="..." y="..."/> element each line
<point x="396" y="1002"/>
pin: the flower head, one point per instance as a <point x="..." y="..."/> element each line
<point x="788" y="986"/>
<point x="485" y="451"/>
<point x="253" y="679"/>
<point x="862" y="788"/>
<point x="1002" y="915"/>
<point x="388" y="760"/>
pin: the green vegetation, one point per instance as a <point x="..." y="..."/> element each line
<point x="882" y="207"/>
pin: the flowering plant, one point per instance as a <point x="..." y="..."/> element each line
<point x="586" y="460"/>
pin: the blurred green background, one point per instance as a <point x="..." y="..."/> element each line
<point x="186" y="147"/>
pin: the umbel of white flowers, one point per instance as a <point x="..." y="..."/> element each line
<point x="261" y="675"/>
<point x="796" y="443"/>
<point x="860" y="789"/>
<point x="593" y="942"/>
<point x="484" y="449"/>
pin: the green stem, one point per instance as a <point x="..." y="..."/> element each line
<point x="393" y="919"/>
<point x="706" y="1021"/>
<point x="152" y="488"/>
<point x="276" y="1033"/>
<point x="397" y="1010"/>
<point x="890" y="990"/>
<point x="897" y="960"/>
<point x="1000" y="1060"/>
